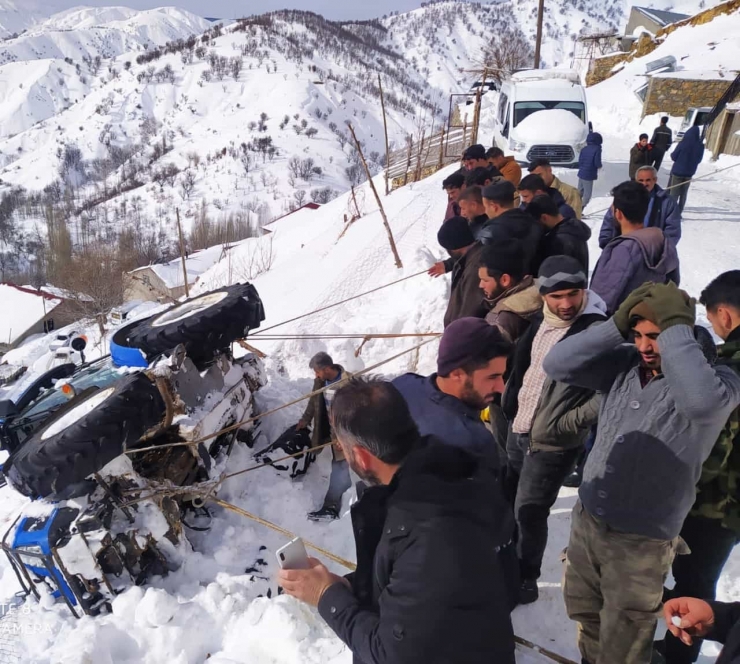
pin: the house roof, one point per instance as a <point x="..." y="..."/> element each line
<point x="20" y="309"/>
<point x="661" y="17"/>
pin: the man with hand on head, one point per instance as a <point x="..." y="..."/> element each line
<point x="429" y="586"/>
<point x="664" y="406"/>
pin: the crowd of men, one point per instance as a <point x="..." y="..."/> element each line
<point x="537" y="363"/>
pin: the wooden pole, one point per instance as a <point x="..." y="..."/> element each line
<point x="538" y="45"/>
<point x="441" y="148"/>
<point x="392" y="242"/>
<point x="182" y="253"/>
<point x="408" y="159"/>
<point x="385" y="128"/>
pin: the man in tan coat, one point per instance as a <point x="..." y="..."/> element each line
<point x="543" y="168"/>
<point x="327" y="374"/>
<point x="507" y="166"/>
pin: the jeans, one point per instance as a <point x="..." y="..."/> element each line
<point x="586" y="190"/>
<point x="697" y="574"/>
<point x="541" y="478"/>
<point x="517" y="445"/>
<point x="613" y="589"/>
<point x="678" y="190"/>
<point x="339" y="482"/>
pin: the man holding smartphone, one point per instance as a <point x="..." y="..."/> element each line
<point x="429" y="586"/>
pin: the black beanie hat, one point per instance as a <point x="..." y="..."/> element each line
<point x="504" y="256"/>
<point x="463" y="340"/>
<point x="455" y="233"/>
<point x="561" y="273"/>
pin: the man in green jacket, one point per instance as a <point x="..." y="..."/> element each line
<point x="317" y="412"/>
<point x="712" y="528"/>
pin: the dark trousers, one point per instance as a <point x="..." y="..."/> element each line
<point x="697" y="574"/>
<point x="658" y="155"/>
<point x="679" y="190"/>
<point x="542" y="476"/>
<point x="516" y="449"/>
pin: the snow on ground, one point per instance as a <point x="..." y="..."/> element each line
<point x="312" y="267"/>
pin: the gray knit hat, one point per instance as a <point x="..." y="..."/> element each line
<point x="561" y="273"/>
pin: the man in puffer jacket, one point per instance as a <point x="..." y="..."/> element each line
<point x="662" y="211"/>
<point x="686" y="159"/>
<point x="638" y="255"/>
<point x="589" y="164"/>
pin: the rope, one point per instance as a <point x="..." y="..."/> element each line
<point x="701" y="177"/>
<point x="336" y="304"/>
<point x="254" y="418"/>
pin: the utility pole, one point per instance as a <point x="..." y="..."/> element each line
<point x="538" y="46"/>
<point x="385" y="127"/>
<point x="182" y="253"/>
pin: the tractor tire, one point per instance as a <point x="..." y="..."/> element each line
<point x="205" y="324"/>
<point x="121" y="351"/>
<point x="83" y="437"/>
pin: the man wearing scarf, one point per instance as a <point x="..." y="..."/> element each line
<point x="549" y="421"/>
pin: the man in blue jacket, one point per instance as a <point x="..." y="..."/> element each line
<point x="686" y="159"/>
<point x="589" y="163"/>
<point x="662" y="211"/>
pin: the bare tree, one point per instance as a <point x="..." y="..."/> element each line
<point x="187" y="184"/>
<point x="510" y="50"/>
<point x="299" y="197"/>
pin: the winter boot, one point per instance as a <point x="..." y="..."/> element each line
<point x="326" y="513"/>
<point x="528" y="591"/>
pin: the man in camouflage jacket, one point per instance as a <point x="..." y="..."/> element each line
<point x="712" y="529"/>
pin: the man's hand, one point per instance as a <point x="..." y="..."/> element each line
<point x="301" y="425"/>
<point x="437" y="270"/>
<point x="622" y="315"/>
<point x="696" y="618"/>
<point x="308" y="585"/>
<point x="671" y="306"/>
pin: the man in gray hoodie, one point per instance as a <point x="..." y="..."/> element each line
<point x="664" y="406"/>
<point x="638" y="255"/>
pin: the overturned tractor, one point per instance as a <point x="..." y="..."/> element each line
<point x="155" y="427"/>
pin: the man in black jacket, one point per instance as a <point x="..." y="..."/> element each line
<point x="715" y="621"/>
<point x="661" y="141"/>
<point x="563" y="237"/>
<point x="428" y="587"/>
<point x="533" y="185"/>
<point x="506" y="222"/>
<point x="549" y="421"/>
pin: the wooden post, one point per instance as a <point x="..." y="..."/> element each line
<point x="441" y="148"/>
<point x="182" y="253"/>
<point x="408" y="159"/>
<point x="417" y="172"/>
<point x="464" y="137"/>
<point x="392" y="242"/>
<point x="538" y="45"/>
<point x="385" y="127"/>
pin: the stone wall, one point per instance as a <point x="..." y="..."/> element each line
<point x="601" y="68"/>
<point x="674" y="96"/>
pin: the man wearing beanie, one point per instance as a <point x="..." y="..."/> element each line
<point x="471" y="363"/>
<point x="510" y="294"/>
<point x="508" y="223"/>
<point x="549" y="421"/>
<point x="465" y="300"/>
<point x="664" y="406"/>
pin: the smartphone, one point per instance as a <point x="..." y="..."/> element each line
<point x="293" y="555"/>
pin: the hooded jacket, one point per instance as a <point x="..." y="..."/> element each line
<point x="513" y="310"/>
<point x="628" y="261"/>
<point x="688" y="154"/>
<point x="450" y="420"/>
<point x="663" y="214"/>
<point x="465" y="292"/>
<point x="515" y="224"/>
<point x="571" y="196"/>
<point x="589" y="161"/>
<point x="428" y="587"/>
<point x="565" y="413"/>
<point x="569" y="238"/>
<point x="640" y="156"/>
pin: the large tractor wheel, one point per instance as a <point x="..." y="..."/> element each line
<point x="83" y="437"/>
<point x="205" y="324"/>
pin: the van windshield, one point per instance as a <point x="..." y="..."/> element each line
<point x="701" y="118"/>
<point x="524" y="109"/>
